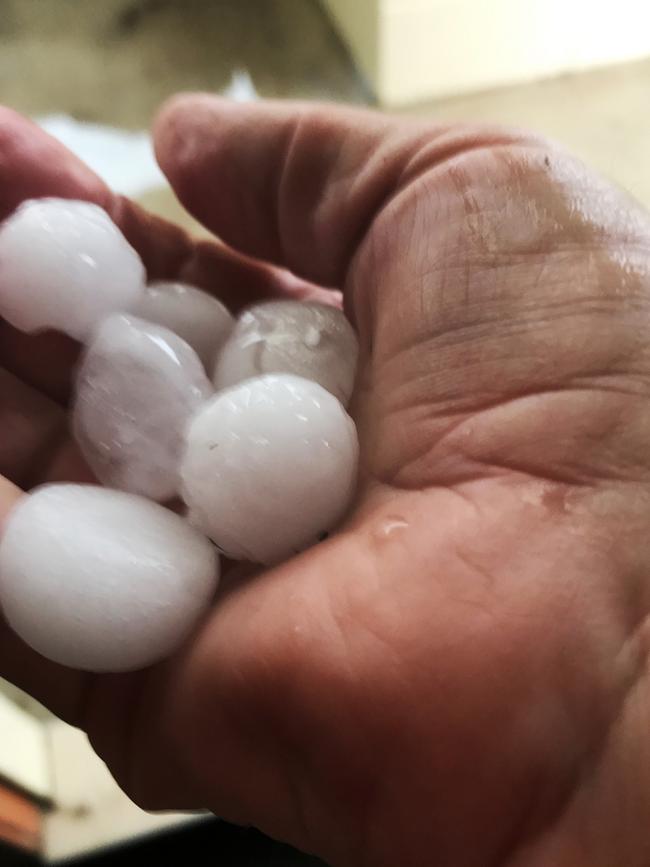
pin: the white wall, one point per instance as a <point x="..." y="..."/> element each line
<point x="434" y="48"/>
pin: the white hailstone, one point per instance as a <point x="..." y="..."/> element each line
<point x="310" y="340"/>
<point x="194" y="315"/>
<point x="65" y="265"/>
<point x="102" y="580"/>
<point x="269" y="466"/>
<point x="136" y="389"/>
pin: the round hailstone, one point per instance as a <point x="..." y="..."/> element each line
<point x="310" y="340"/>
<point x="65" y="265"/>
<point x="102" y="580"/>
<point x="137" y="387"/>
<point x="269" y="466"/>
<point x="194" y="315"/>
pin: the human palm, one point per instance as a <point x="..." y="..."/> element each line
<point x="457" y="677"/>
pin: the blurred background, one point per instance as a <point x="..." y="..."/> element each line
<point x="93" y="74"/>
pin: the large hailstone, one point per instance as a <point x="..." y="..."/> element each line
<point x="102" y="580"/>
<point x="269" y="466"/>
<point x="310" y="340"/>
<point x="136" y="389"/>
<point x="197" y="317"/>
<point x="65" y="265"/>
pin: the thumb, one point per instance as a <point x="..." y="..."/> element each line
<point x="296" y="184"/>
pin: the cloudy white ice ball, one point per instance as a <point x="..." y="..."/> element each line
<point x="65" y="265"/>
<point x="269" y="466"/>
<point x="136" y="389"/>
<point x="102" y="580"/>
<point x="201" y="320"/>
<point x="314" y="341"/>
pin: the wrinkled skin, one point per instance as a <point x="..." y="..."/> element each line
<point x="458" y="677"/>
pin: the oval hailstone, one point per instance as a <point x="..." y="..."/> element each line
<point x="65" y="265"/>
<point x="136" y="388"/>
<point x="197" y="317"/>
<point x="310" y="340"/>
<point x="269" y="465"/>
<point x="101" y="580"/>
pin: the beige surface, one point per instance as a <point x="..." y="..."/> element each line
<point x="23" y="755"/>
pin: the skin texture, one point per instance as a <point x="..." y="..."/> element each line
<point x="459" y="676"/>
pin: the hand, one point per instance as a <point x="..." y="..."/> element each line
<point x="458" y="677"/>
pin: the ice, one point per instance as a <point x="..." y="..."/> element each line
<point x="102" y="580"/>
<point x="194" y="315"/>
<point x="269" y="466"/>
<point x="309" y="340"/>
<point x="65" y="265"/>
<point x="137" y="387"/>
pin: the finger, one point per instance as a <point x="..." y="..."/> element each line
<point x="169" y="253"/>
<point x="33" y="164"/>
<point x="292" y="183"/>
<point x="41" y="361"/>
<point x="289" y="183"/>
<point x="32" y="428"/>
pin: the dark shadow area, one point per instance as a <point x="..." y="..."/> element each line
<point x="210" y="842"/>
<point x="12" y="857"/>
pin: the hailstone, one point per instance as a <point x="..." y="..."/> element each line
<point x="136" y="389"/>
<point x="65" y="265"/>
<point x="102" y="580"/>
<point x="269" y="465"/>
<point x="194" y="315"/>
<point x="310" y="340"/>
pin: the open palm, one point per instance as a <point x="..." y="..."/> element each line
<point x="458" y="677"/>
